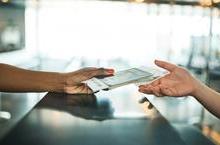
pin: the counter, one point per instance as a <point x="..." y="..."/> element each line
<point x="111" y="117"/>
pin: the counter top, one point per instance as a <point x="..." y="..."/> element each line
<point x="17" y="105"/>
<point x="112" y="117"/>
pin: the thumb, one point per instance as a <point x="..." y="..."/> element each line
<point x="166" y="65"/>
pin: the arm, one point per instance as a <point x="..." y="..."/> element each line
<point x="209" y="98"/>
<point x="179" y="82"/>
<point x="13" y="79"/>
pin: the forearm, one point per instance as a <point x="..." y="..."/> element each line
<point x="13" y="79"/>
<point x="209" y="98"/>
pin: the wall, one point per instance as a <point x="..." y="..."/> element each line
<point x="16" y="14"/>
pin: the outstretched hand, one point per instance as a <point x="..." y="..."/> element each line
<point x="74" y="80"/>
<point x="179" y="82"/>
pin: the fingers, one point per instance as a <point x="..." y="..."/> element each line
<point x="86" y="73"/>
<point x="156" y="82"/>
<point x="78" y="89"/>
<point x="167" y="91"/>
<point x="101" y="72"/>
<point x="156" y="90"/>
<point x="150" y="89"/>
<point x="168" y="66"/>
<point x="147" y="89"/>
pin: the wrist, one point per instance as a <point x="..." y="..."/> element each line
<point x="198" y="87"/>
<point x="60" y="84"/>
<point x="64" y="81"/>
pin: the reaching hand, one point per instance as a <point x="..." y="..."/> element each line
<point x="74" y="80"/>
<point x="179" y="82"/>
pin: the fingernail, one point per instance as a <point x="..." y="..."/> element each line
<point x="110" y="71"/>
<point x="140" y="90"/>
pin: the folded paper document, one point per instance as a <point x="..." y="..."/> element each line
<point x="125" y="77"/>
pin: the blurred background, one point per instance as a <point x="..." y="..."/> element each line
<point x="58" y="35"/>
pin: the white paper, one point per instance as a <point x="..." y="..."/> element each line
<point x="121" y="78"/>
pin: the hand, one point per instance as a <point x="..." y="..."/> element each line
<point x="179" y="82"/>
<point x="73" y="81"/>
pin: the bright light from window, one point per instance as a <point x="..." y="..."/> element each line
<point x="5" y="1"/>
<point x="107" y="30"/>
